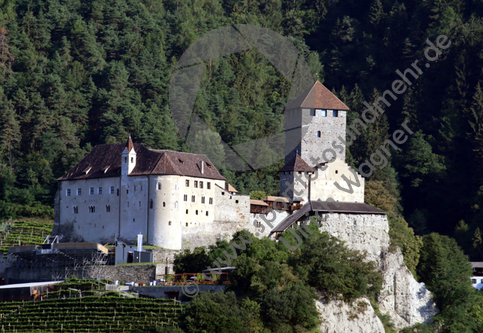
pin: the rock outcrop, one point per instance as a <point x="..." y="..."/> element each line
<point x="403" y="298"/>
<point x="358" y="317"/>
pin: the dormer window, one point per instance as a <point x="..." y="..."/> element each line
<point x="180" y="160"/>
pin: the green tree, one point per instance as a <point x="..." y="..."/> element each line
<point x="212" y="312"/>
<point x="445" y="270"/>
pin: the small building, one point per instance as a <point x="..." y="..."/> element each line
<point x="477" y="278"/>
<point x="26" y="291"/>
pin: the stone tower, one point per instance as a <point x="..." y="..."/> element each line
<point x="315" y="168"/>
<point x="313" y="121"/>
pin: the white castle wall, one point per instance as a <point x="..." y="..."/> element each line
<point x="323" y="184"/>
<point x="91" y="226"/>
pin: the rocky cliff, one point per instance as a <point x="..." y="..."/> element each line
<point x="357" y="317"/>
<point x="403" y="298"/>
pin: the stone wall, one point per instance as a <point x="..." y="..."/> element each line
<point x="143" y="273"/>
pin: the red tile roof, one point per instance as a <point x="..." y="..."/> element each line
<point x="317" y="97"/>
<point x="297" y="163"/>
<point x="105" y="161"/>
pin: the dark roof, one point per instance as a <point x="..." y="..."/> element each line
<point x="296" y="164"/>
<point x="105" y="161"/>
<point x="317" y="97"/>
<point x="327" y="207"/>
<point x="129" y="144"/>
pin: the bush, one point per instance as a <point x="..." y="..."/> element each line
<point x="328" y="265"/>
<point x="212" y="312"/>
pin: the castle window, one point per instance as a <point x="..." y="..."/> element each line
<point x="175" y="187"/>
<point x="92" y="209"/>
<point x="186" y="211"/>
<point x="159" y="186"/>
<point x="196" y="212"/>
<point x="236" y="201"/>
<point x="76" y="209"/>
<point x="117" y="192"/>
<point x="335" y="113"/>
<point x="319" y="134"/>
<point x="99" y="190"/>
<point x="67" y="192"/>
<point x="176" y="204"/>
<point x="79" y="191"/>
<point x="187" y="183"/>
<point x="139" y="204"/>
<point x="336" y="171"/>
<point x="151" y="203"/>
<point x="128" y="204"/>
<point x="91" y="191"/>
<point x="134" y="220"/>
<point x="132" y="159"/>
<point x="323" y="113"/>
<point x="312" y="112"/>
<point x="185" y="197"/>
<point x="196" y="184"/>
<point x="169" y="223"/>
<point x="222" y="193"/>
<point x="210" y="201"/>
<point x="208" y="185"/>
<point x="186" y="223"/>
<point x="201" y="184"/>
<point x="164" y="204"/>
<point x="125" y="159"/>
<point x="202" y="200"/>
<point x="192" y="198"/>
<point x="108" y="208"/>
<point x="111" y="190"/>
<point x="206" y="213"/>
<point x="127" y="191"/>
<point x="134" y="188"/>
<point x="141" y="188"/>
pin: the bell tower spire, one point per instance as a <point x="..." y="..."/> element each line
<point x="128" y="157"/>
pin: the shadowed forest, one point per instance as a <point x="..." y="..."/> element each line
<point x="76" y="74"/>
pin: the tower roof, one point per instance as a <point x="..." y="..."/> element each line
<point x="297" y="163"/>
<point x="317" y="97"/>
<point x="129" y="144"/>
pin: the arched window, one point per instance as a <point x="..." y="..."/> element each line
<point x="319" y="134"/>
<point x="159" y="186"/>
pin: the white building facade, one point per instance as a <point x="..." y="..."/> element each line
<point x="118" y="191"/>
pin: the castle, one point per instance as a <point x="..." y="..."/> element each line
<point x="178" y="200"/>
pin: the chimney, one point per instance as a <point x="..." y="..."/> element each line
<point x="202" y="167"/>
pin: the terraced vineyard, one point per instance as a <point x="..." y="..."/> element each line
<point x="28" y="232"/>
<point x="90" y="314"/>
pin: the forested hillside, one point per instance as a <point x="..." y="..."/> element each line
<point x="74" y="74"/>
